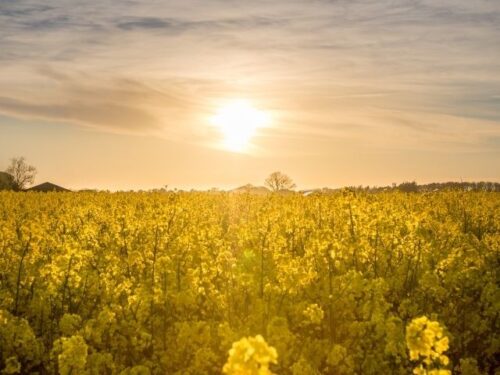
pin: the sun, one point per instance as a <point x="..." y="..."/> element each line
<point x="238" y="121"/>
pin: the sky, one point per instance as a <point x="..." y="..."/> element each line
<point x="122" y="94"/>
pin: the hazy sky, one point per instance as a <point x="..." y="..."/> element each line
<point x="119" y="94"/>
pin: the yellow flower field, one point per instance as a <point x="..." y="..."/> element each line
<point x="194" y="283"/>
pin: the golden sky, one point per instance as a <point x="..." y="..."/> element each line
<point x="123" y="94"/>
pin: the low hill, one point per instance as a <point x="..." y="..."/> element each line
<point x="6" y="181"/>
<point x="251" y="189"/>
<point x="47" y="186"/>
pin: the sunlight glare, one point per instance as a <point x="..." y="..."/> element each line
<point x="238" y="122"/>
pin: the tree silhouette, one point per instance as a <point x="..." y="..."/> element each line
<point x="22" y="173"/>
<point x="279" y="181"/>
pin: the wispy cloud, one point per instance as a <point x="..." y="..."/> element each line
<point x="117" y="105"/>
<point x="106" y="115"/>
<point x="182" y="25"/>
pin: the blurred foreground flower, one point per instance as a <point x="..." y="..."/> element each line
<point x="250" y="356"/>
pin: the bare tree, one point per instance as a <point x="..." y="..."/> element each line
<point x="278" y="181"/>
<point x="22" y="173"/>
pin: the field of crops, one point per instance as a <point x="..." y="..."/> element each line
<point x="168" y="283"/>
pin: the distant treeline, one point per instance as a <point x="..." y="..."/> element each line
<point x="413" y="187"/>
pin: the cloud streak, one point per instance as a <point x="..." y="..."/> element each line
<point x="104" y="115"/>
<point x="116" y="105"/>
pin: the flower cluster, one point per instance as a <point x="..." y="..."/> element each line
<point x="250" y="356"/>
<point x="314" y="313"/>
<point x="426" y="343"/>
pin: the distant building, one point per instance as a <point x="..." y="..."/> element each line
<point x="6" y="181"/>
<point x="306" y="193"/>
<point x="47" y="186"/>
